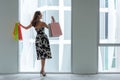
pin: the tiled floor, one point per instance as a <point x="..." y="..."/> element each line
<point x="60" y="77"/>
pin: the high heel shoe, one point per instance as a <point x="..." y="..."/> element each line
<point x="43" y="74"/>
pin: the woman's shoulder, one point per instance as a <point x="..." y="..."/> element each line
<point x="40" y="24"/>
<point x="43" y="24"/>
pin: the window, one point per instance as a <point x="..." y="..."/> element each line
<point x="60" y="46"/>
<point x="109" y="36"/>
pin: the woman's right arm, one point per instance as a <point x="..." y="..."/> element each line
<point x="26" y="27"/>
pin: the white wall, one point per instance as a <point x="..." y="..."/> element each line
<point x="8" y="47"/>
<point x="84" y="36"/>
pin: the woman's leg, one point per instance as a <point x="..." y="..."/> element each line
<point x="42" y="67"/>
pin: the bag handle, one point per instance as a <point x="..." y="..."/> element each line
<point x="53" y="20"/>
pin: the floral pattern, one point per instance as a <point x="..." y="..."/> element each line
<point x="42" y="45"/>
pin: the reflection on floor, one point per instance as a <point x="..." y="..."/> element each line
<point x="59" y="77"/>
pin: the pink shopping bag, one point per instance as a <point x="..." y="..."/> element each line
<point x="54" y="30"/>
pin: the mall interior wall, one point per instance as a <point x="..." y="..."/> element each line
<point x="85" y="18"/>
<point x="8" y="47"/>
<point x="84" y="36"/>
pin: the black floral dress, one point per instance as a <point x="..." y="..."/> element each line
<point x="42" y="45"/>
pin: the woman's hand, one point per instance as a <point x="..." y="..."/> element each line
<point x="26" y="27"/>
<point x="22" y="26"/>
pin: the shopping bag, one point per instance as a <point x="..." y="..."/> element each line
<point x="17" y="33"/>
<point x="54" y="28"/>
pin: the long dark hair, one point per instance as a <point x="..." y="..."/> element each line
<point x="35" y="20"/>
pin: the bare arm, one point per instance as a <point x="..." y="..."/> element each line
<point x="26" y="27"/>
<point x="44" y="24"/>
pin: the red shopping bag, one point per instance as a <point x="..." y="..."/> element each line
<point x="17" y="33"/>
<point x="54" y="28"/>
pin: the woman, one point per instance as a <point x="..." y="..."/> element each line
<point x="41" y="42"/>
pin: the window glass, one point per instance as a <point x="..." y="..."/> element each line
<point x="66" y="61"/>
<point x="103" y="3"/>
<point x="67" y="2"/>
<point x="42" y="3"/>
<point x="108" y="60"/>
<point x="67" y="25"/>
<point x="103" y="26"/>
<point x="52" y="2"/>
<point x="109" y="36"/>
<point x="60" y="46"/>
